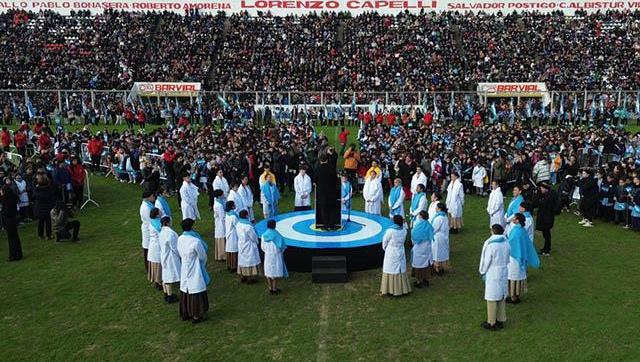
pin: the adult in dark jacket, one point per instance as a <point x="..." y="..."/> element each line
<point x="327" y="196"/>
<point x="44" y="197"/>
<point x="62" y="181"/>
<point x="10" y="215"/>
<point x="589" y="191"/>
<point x="546" y="202"/>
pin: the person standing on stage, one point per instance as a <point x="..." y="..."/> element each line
<point x="273" y="246"/>
<point x="418" y="202"/>
<point x="493" y="268"/>
<point x="218" y="226"/>
<point x="231" y="236"/>
<point x="394" y="268"/>
<point x="455" y="202"/>
<point x="194" y="278"/>
<point x="245" y="192"/>
<point x="148" y="200"/>
<point x="170" y="260"/>
<point x="327" y="194"/>
<point x="10" y="215"/>
<point x="522" y="255"/>
<point x="421" y="253"/>
<point x="302" y="186"/>
<point x="440" y="250"/>
<point x="396" y="199"/>
<point x="372" y="193"/>
<point x="495" y="206"/>
<point x="346" y="194"/>
<point x="248" y="250"/>
<point x="189" y="199"/>
<point x="269" y="197"/>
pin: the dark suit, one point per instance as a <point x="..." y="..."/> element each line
<point x="327" y="195"/>
<point x="10" y="214"/>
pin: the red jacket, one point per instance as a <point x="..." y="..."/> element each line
<point x="183" y="122"/>
<point x="44" y="141"/>
<point x="169" y="156"/>
<point x="77" y="175"/>
<point x="477" y="120"/>
<point x="95" y="147"/>
<point x="343" y="136"/>
<point x="428" y="118"/>
<point x="391" y="119"/>
<point x="6" y="139"/>
<point x="141" y="117"/>
<point x="20" y="139"/>
<point x="379" y="118"/>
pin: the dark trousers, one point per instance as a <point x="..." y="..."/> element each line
<point x="71" y="229"/>
<point x="301" y="208"/>
<point x="15" y="247"/>
<point x="546" y="234"/>
<point x="95" y="163"/>
<point x="327" y="216"/>
<point x="44" y="224"/>
<point x="77" y="195"/>
<point x="587" y="209"/>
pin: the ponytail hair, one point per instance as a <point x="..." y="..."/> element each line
<point x="520" y="218"/>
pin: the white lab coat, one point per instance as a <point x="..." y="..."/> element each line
<point x="395" y="261"/>
<point x="231" y="234"/>
<point x="302" y="186"/>
<point x="372" y="193"/>
<point x="455" y="198"/>
<point x="399" y="205"/>
<point x="495" y="208"/>
<point x="418" y="179"/>
<point x="237" y="200"/>
<point x="422" y="254"/>
<point x="530" y="226"/>
<point x="153" y="255"/>
<point x="220" y="183"/>
<point x="248" y="253"/>
<point x="273" y="260"/>
<point x="422" y="205"/>
<point x="145" y="210"/>
<point x="440" y="246"/>
<point x="477" y="176"/>
<point x="192" y="256"/>
<point x="493" y="265"/>
<point x="218" y="220"/>
<point x="247" y="199"/>
<point x="189" y="201"/>
<point x="169" y="255"/>
<point x="433" y="209"/>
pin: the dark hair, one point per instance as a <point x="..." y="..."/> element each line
<point x="398" y="220"/>
<point x="165" y="220"/>
<point x="423" y="214"/>
<point x="243" y="214"/>
<point x="271" y="224"/>
<point x="437" y="195"/>
<point x="442" y="206"/>
<point x="526" y="206"/>
<point x="217" y="193"/>
<point x="420" y="187"/>
<point x="497" y="229"/>
<point x="155" y="212"/>
<point x="145" y="194"/>
<point x="230" y="205"/>
<point x="187" y="224"/>
<point x="520" y="218"/>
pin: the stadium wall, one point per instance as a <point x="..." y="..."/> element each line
<point x="299" y="7"/>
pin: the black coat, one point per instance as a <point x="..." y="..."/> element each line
<point x="546" y="204"/>
<point x="328" y="190"/>
<point x="44" y="198"/>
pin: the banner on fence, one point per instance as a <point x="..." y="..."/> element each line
<point x="169" y="89"/>
<point x="286" y="7"/>
<point x="514" y="90"/>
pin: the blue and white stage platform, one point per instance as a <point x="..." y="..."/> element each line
<point x="359" y="239"/>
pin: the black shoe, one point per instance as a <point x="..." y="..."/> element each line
<point x="509" y="300"/>
<point x="277" y="291"/>
<point x="195" y="320"/>
<point x="252" y="281"/>
<point x="272" y="292"/>
<point x="425" y="283"/>
<point x="417" y="284"/>
<point x="499" y="325"/>
<point x="171" y="299"/>
<point x="158" y="286"/>
<point x="488" y="326"/>
<point x="75" y="239"/>
<point x="540" y="252"/>
<point x="243" y="280"/>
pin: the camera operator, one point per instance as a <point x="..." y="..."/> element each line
<point x="60" y="216"/>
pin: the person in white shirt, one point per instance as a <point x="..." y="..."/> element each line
<point x="418" y="178"/>
<point x="194" y="278"/>
<point x="433" y="207"/>
<point x="148" y="200"/>
<point x="396" y="199"/>
<point x="235" y="197"/>
<point x="493" y="268"/>
<point x="220" y="183"/>
<point x="418" y="202"/>
<point x="218" y="226"/>
<point x="372" y="193"/>
<point x="154" y="274"/>
<point x="231" y="236"/>
<point x="245" y="192"/>
<point x="477" y="176"/>
<point x="455" y="202"/>
<point x="273" y="246"/>
<point x="495" y="206"/>
<point x="302" y="186"/>
<point x="394" y="267"/>
<point x="248" y="250"/>
<point x="170" y="260"/>
<point x="440" y="246"/>
<point x="421" y="252"/>
<point x="189" y="199"/>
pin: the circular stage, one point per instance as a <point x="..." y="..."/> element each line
<point x="359" y="240"/>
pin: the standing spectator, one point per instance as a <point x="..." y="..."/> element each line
<point x="77" y="181"/>
<point x="547" y="204"/>
<point x="5" y="139"/>
<point x="344" y="135"/>
<point x="95" y="146"/>
<point x="168" y="157"/>
<point x="62" y="181"/>
<point x="10" y="216"/>
<point x="541" y="172"/>
<point x="44" y="198"/>
<point x="20" y="140"/>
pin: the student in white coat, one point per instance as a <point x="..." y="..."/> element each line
<point x="477" y="176"/>
<point x="372" y="193"/>
<point x="235" y="197"/>
<point x="440" y="250"/>
<point x="455" y="202"/>
<point x="194" y="278"/>
<point x="248" y="252"/>
<point x="394" y="267"/>
<point x="529" y="223"/>
<point x="418" y="202"/>
<point x="495" y="206"/>
<point x="522" y="256"/>
<point x="396" y="199"/>
<point x="493" y="268"/>
<point x="189" y="199"/>
<point x="162" y="203"/>
<point x="170" y="260"/>
<point x="418" y="178"/>
<point x="512" y="209"/>
<point x="154" y="275"/>
<point x="273" y="246"/>
<point x="421" y="253"/>
<point x="244" y="190"/>
<point x="436" y="198"/>
<point x="231" y="236"/>
<point x="148" y="200"/>
<point x="221" y="183"/>
<point x="302" y="186"/>
<point x="218" y="226"/>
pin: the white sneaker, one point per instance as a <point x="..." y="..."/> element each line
<point x="582" y="222"/>
<point x="626" y="227"/>
<point x="588" y="224"/>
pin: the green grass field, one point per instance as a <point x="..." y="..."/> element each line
<point x="91" y="301"/>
